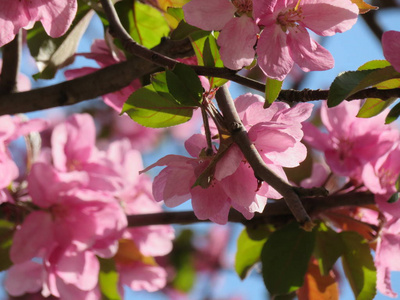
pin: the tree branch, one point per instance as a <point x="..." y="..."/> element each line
<point x="261" y="171"/>
<point x="274" y="213"/>
<point x="10" y="68"/>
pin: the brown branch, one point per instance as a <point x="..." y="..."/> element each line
<point x="261" y="171"/>
<point x="274" y="213"/>
<point x="11" y="60"/>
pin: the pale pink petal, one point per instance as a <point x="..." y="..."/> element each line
<point x="211" y="203"/>
<point x="241" y="187"/>
<point x="195" y="144"/>
<point x="55" y="15"/>
<point x="14" y="15"/>
<point x="237" y="40"/>
<point x="273" y="53"/>
<point x="244" y="102"/>
<point x="319" y="174"/>
<point x="8" y="169"/>
<point x="139" y="276"/>
<point x="153" y="240"/>
<point x="391" y="48"/>
<point x="208" y="15"/>
<point x="314" y="137"/>
<point x="263" y="8"/>
<point x="24" y="278"/>
<point x="229" y="163"/>
<point x="80" y="269"/>
<point x="327" y="17"/>
<point x="35" y="234"/>
<point x="308" y="54"/>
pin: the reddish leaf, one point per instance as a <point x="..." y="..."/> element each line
<point x="318" y="287"/>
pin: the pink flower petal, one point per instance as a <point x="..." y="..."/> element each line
<point x="327" y="17"/>
<point x="237" y="40"/>
<point x="308" y="54"/>
<point x="209" y="15"/>
<point x="273" y="53"/>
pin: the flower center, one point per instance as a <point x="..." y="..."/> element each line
<point x="290" y="17"/>
<point x="243" y="7"/>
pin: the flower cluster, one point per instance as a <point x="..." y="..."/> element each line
<point x="80" y="197"/>
<point x="217" y="184"/>
<point x="277" y="29"/>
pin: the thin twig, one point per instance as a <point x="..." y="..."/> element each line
<point x="10" y="68"/>
<point x="274" y="213"/>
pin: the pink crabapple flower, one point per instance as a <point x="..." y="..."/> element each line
<point x="381" y="178"/>
<point x="387" y="257"/>
<point x="391" y="48"/>
<point x="276" y="133"/>
<point x="73" y="151"/>
<point x="350" y="142"/>
<point x="70" y="276"/>
<point x="69" y="216"/>
<point x="104" y="56"/>
<point x="285" y="39"/>
<point x="56" y="16"/>
<point x="238" y="30"/>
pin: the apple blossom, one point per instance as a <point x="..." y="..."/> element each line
<point x="276" y="133"/>
<point x="238" y="30"/>
<point x="56" y="16"/>
<point x="350" y="142"/>
<point x="285" y="39"/>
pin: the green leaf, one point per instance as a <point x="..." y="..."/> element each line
<point x="52" y="54"/>
<point x="328" y="248"/>
<point x="145" y="24"/>
<point x="285" y="258"/>
<point x="272" y="89"/>
<point x="349" y="83"/>
<point x="248" y="254"/>
<point x="6" y="235"/>
<point x="182" y="85"/>
<point x="358" y="265"/>
<point x="108" y="280"/>
<point x="182" y="260"/>
<point x="183" y="30"/>
<point x="374" y="64"/>
<point x="176" y="12"/>
<point x="207" y="52"/>
<point x="148" y="108"/>
<point x="393" y="114"/>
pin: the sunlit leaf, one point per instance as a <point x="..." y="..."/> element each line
<point x="148" y="108"/>
<point x="145" y="24"/>
<point x="317" y="286"/>
<point x="285" y="258"/>
<point x="358" y="265"/>
<point x="349" y="83"/>
<point x="52" y="54"/>
<point x="108" y="280"/>
<point x="393" y="114"/>
<point x="248" y="254"/>
<point x="363" y="6"/>
<point x="272" y="89"/>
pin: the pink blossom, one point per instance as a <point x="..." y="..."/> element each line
<point x="56" y="16"/>
<point x="391" y="48"/>
<point x="276" y="133"/>
<point x="84" y="219"/>
<point x="285" y="39"/>
<point x="238" y="34"/>
<point x="71" y="276"/>
<point x="350" y="142"/>
<point x="135" y="197"/>
<point x="74" y="151"/>
<point x="104" y="56"/>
